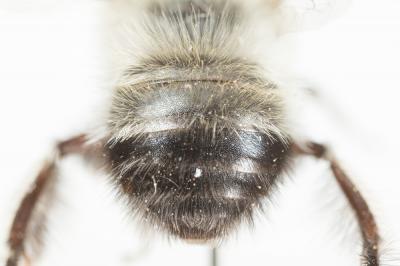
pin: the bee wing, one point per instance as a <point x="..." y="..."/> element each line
<point x="299" y="15"/>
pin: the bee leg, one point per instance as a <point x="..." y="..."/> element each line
<point x="364" y="215"/>
<point x="24" y="214"/>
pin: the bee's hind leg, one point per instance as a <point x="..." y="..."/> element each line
<point x="366" y="219"/>
<point x="24" y="216"/>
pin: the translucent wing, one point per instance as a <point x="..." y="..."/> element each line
<point x="300" y="15"/>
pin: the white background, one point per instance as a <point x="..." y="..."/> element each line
<point x="49" y="82"/>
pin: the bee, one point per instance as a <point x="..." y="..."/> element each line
<point x="197" y="133"/>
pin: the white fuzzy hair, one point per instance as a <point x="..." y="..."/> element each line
<point x="136" y="33"/>
<point x="234" y="46"/>
<point x="241" y="43"/>
<point x="133" y="27"/>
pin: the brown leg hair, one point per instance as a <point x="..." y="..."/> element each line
<point x="365" y="218"/>
<point x="18" y="233"/>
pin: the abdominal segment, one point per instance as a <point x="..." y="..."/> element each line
<point x="196" y="184"/>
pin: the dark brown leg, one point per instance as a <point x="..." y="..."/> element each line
<point x="23" y="216"/>
<point x="365" y="218"/>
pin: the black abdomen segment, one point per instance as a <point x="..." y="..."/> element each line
<point x="195" y="183"/>
<point x="226" y="147"/>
